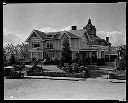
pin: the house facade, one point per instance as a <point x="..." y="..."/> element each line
<point x="85" y="41"/>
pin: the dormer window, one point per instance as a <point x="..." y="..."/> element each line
<point x="49" y="36"/>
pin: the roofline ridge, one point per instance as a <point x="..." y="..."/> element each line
<point x="73" y="34"/>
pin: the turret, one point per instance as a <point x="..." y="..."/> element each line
<point x="90" y="28"/>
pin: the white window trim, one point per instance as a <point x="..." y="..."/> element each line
<point x="63" y="34"/>
<point x="36" y="43"/>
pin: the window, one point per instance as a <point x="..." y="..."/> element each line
<point x="49" y="44"/>
<point x="50" y="54"/>
<point x="35" y="45"/>
<point x="49" y="36"/>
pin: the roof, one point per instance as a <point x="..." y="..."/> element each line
<point x="79" y="32"/>
<point x="98" y="41"/>
<point x="57" y="36"/>
<point x="41" y="34"/>
<point x="72" y="35"/>
<point x="92" y="39"/>
<point x="110" y="52"/>
<point x="51" y="33"/>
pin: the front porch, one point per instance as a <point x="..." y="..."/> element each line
<point x="91" y="55"/>
<point x="42" y="53"/>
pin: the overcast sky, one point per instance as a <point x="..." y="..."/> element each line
<point x="19" y="19"/>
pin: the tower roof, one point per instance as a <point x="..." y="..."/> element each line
<point x="89" y="21"/>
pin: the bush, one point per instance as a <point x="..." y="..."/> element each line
<point x="6" y="63"/>
<point x="55" y="61"/>
<point x="34" y="59"/>
<point x="12" y="59"/>
<point x="83" y="61"/>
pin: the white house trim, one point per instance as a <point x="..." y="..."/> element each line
<point x="31" y="35"/>
<point x="63" y="34"/>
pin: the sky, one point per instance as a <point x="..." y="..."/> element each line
<point x="19" y="19"/>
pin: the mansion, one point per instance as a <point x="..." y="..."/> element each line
<point x="85" y="41"/>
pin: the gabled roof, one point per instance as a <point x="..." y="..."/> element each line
<point x="51" y="33"/>
<point x="39" y="33"/>
<point x="79" y="32"/>
<point x="58" y="35"/>
<point x="92" y="39"/>
<point x="72" y="35"/>
<point x="62" y="33"/>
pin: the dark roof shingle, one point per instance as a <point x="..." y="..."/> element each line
<point x="72" y="35"/>
<point x="41" y="34"/>
<point x="95" y="40"/>
<point x="98" y="41"/>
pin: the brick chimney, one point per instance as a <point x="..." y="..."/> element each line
<point x="73" y="27"/>
<point x="107" y="39"/>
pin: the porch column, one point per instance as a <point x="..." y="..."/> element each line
<point x="97" y="54"/>
<point x="31" y="54"/>
<point x="109" y="58"/>
<point x="60" y="53"/>
<point x="42" y="55"/>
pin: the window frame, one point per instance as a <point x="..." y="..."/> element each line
<point x="49" y="44"/>
<point x="37" y="45"/>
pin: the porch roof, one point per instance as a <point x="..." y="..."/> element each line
<point x="87" y="50"/>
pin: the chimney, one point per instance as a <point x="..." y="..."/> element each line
<point x="107" y="39"/>
<point x="73" y="27"/>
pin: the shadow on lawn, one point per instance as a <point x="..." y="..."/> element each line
<point x="51" y="78"/>
<point x="95" y="71"/>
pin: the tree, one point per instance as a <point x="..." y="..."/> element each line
<point x="120" y="62"/>
<point x="12" y="59"/>
<point x="20" y="51"/>
<point x="4" y="57"/>
<point x="66" y="55"/>
<point x="24" y="51"/>
<point x="77" y="58"/>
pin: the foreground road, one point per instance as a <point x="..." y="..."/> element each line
<point x="89" y="89"/>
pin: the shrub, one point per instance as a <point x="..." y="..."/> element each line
<point x="55" y="61"/>
<point x="12" y="59"/>
<point x="83" y="61"/>
<point x="66" y="55"/>
<point x="34" y="59"/>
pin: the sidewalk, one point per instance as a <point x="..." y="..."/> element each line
<point x="56" y="78"/>
<point x="98" y="79"/>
